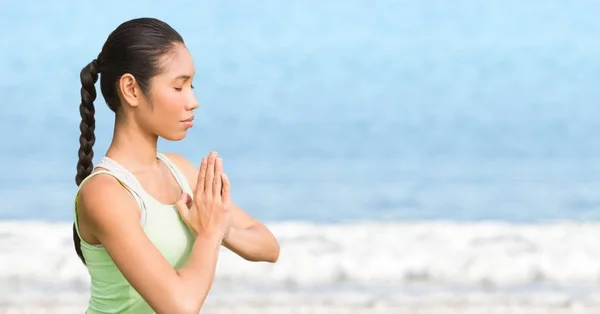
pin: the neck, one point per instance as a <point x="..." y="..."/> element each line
<point x="132" y="147"/>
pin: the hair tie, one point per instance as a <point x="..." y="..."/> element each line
<point x="96" y="65"/>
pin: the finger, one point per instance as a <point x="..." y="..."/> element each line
<point x="210" y="173"/>
<point x="226" y="189"/>
<point x="182" y="207"/>
<point x="218" y="179"/>
<point x="201" y="177"/>
<point x="188" y="201"/>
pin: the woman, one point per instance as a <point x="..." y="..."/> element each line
<point x="149" y="226"/>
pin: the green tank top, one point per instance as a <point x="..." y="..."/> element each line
<point x="110" y="292"/>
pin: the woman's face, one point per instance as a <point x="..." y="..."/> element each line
<point x="168" y="111"/>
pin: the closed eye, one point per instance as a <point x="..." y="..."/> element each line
<point x="181" y="88"/>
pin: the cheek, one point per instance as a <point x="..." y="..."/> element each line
<point x="167" y="103"/>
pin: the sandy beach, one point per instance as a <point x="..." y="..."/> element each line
<point x="422" y="308"/>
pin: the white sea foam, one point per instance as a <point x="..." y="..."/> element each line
<point x="359" y="262"/>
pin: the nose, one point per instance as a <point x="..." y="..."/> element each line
<point x="192" y="103"/>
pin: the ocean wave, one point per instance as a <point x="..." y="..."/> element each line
<point x="486" y="254"/>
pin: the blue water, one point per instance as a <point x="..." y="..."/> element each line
<point x="334" y="110"/>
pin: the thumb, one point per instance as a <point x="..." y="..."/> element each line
<point x="182" y="206"/>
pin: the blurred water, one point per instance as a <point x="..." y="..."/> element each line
<point x="337" y="110"/>
<point x="446" y="264"/>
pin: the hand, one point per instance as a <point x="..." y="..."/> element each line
<point x="208" y="214"/>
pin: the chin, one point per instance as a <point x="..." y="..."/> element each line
<point x="175" y="137"/>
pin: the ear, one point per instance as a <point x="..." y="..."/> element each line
<point x="130" y="90"/>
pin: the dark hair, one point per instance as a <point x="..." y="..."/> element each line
<point x="134" y="47"/>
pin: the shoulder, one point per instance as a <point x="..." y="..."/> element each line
<point x="101" y="199"/>
<point x="97" y="189"/>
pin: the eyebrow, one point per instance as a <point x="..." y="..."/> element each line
<point x="184" y="77"/>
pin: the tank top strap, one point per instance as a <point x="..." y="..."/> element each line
<point x="127" y="180"/>
<point x="126" y="175"/>
<point x="179" y="176"/>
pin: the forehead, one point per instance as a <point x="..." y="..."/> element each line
<point x="176" y="63"/>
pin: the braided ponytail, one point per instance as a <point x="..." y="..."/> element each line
<point x="89" y="77"/>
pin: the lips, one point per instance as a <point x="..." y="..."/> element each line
<point x="189" y="122"/>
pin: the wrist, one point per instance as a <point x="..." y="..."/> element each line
<point x="210" y="237"/>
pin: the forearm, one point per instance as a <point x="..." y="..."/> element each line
<point x="255" y="244"/>
<point x="197" y="276"/>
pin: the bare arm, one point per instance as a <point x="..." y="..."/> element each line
<point x="248" y="237"/>
<point x="109" y="212"/>
<point x="251" y="239"/>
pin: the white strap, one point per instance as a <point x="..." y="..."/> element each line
<point x="111" y="165"/>
<point x="131" y="182"/>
